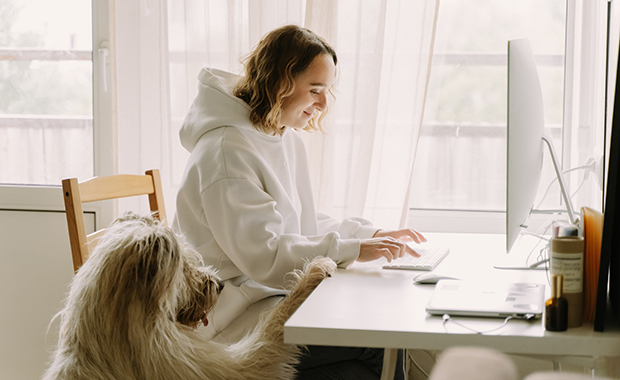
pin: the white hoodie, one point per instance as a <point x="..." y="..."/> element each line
<point x="245" y="204"/>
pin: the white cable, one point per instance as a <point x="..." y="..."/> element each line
<point x="540" y="234"/>
<point x="583" y="182"/>
<point x="415" y="363"/>
<point x="554" y="180"/>
<point x="447" y="318"/>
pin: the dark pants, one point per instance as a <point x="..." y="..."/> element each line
<point x="344" y="363"/>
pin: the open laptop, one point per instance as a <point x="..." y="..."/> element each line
<point x="477" y="299"/>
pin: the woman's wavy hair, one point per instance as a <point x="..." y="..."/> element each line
<point x="270" y="71"/>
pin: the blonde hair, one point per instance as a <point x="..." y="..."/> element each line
<point x="270" y="71"/>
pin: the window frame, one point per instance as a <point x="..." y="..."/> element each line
<point x="49" y="197"/>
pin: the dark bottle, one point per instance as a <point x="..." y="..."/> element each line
<point x="556" y="307"/>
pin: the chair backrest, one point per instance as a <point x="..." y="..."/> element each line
<point x="104" y="188"/>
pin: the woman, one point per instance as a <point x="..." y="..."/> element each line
<point x="245" y="201"/>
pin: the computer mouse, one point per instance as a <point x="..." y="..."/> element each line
<point x="431" y="278"/>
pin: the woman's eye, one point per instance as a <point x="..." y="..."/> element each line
<point x="314" y="92"/>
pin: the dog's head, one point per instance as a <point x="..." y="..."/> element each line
<point x="143" y="272"/>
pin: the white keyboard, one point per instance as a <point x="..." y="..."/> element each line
<point x="430" y="257"/>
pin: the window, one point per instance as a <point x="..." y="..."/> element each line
<point x="46" y="91"/>
<point x="461" y="159"/>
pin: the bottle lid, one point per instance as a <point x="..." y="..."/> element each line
<point x="571" y="230"/>
<point x="564" y="228"/>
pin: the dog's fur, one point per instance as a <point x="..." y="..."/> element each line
<point x="134" y="306"/>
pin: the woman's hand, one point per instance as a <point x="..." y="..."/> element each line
<point x="406" y="234"/>
<point x="389" y="244"/>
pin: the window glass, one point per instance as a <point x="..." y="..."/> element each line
<point x="461" y="158"/>
<point x="46" y="92"/>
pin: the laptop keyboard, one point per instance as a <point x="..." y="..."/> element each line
<point x="430" y="257"/>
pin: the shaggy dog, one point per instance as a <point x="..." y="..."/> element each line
<point x="134" y="306"/>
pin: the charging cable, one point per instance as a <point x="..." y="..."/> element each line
<point x="589" y="166"/>
<point x="414" y="361"/>
<point x="447" y="318"/>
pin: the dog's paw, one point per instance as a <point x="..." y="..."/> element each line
<point x="321" y="267"/>
<point x="306" y="281"/>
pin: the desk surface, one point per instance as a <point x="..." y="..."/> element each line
<point x="367" y="306"/>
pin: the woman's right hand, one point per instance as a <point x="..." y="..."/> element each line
<point x="388" y="247"/>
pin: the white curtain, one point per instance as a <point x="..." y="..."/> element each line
<point x="362" y="166"/>
<point x="364" y="163"/>
<point x="143" y="131"/>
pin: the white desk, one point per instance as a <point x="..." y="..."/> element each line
<point x="365" y="306"/>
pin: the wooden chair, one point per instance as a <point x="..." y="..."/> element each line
<point x="104" y="188"/>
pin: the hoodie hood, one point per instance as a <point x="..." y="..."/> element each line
<point x="214" y="107"/>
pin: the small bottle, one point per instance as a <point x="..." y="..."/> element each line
<point x="556" y="307"/>
<point x="567" y="259"/>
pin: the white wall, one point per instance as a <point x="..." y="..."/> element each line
<point x="35" y="271"/>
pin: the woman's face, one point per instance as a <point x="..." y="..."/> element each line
<point x="310" y="94"/>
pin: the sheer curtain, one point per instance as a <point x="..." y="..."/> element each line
<point x="362" y="165"/>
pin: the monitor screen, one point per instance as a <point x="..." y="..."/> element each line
<point x="525" y="124"/>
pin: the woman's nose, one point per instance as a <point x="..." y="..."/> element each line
<point x="321" y="105"/>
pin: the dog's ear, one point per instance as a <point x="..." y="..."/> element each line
<point x="139" y="265"/>
<point x="157" y="263"/>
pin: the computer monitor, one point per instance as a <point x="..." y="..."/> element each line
<point x="525" y="140"/>
<point x="525" y="128"/>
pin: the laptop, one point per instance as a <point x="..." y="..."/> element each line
<point x="476" y="299"/>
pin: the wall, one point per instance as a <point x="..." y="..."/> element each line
<point x="35" y="271"/>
